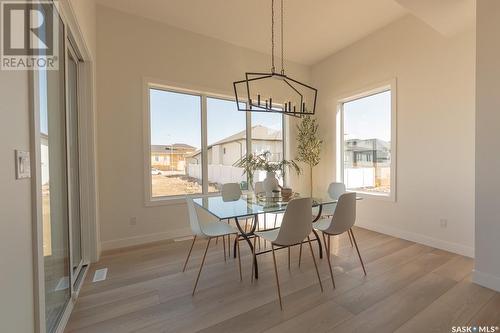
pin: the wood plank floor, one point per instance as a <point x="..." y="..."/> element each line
<point x="409" y="288"/>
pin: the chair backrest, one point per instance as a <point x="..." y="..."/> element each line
<point x="194" y="222"/>
<point x="345" y="214"/>
<point x="259" y="187"/>
<point x="335" y="190"/>
<point x="297" y="222"/>
<point x="231" y="192"/>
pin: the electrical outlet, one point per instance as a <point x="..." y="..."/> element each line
<point x="443" y="223"/>
<point x="133" y="220"/>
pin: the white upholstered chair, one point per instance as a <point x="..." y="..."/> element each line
<point x="295" y="228"/>
<point x="207" y="228"/>
<point x="342" y="221"/>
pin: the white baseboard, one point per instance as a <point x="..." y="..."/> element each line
<point x="143" y="239"/>
<point x="486" y="280"/>
<point x="463" y="250"/>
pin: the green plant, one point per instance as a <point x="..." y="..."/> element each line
<point x="309" y="144"/>
<point x="253" y="162"/>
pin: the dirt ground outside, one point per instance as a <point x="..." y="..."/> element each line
<point x="177" y="185"/>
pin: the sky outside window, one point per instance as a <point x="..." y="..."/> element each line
<point x="368" y="117"/>
<point x="223" y="119"/>
<point x="175" y="118"/>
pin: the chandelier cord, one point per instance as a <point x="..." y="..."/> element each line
<point x="273" y="69"/>
<point x="282" y="45"/>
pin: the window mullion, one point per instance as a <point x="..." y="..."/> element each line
<point x="204" y="153"/>
<point x="249" y="141"/>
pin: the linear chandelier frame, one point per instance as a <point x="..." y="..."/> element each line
<point x="303" y="95"/>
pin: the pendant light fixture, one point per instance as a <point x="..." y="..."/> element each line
<point x="275" y="92"/>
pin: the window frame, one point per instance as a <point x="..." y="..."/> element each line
<point x="389" y="85"/>
<point x="148" y="84"/>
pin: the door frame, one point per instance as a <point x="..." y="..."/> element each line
<point x="88" y="178"/>
<point x="72" y="51"/>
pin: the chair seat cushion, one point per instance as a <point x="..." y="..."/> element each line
<point x="215" y="229"/>
<point x="269" y="235"/>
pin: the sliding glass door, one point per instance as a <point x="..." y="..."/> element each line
<point x="55" y="221"/>
<point x="57" y="95"/>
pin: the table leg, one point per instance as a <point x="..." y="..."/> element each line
<point x="320" y="247"/>
<point x="245" y="236"/>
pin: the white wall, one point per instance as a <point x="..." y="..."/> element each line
<point x="16" y="258"/>
<point x="129" y="49"/>
<point x="487" y="263"/>
<point x="435" y="131"/>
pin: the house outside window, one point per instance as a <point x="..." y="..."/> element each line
<point x="366" y="124"/>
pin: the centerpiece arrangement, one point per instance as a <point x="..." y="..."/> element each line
<point x="262" y="162"/>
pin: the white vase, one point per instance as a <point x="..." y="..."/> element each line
<point x="270" y="183"/>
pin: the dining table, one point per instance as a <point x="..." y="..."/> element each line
<point x="250" y="206"/>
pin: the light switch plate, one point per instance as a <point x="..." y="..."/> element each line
<point x="23" y="168"/>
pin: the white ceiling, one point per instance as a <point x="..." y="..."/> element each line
<point x="314" y="29"/>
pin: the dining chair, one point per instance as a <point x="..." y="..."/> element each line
<point x="342" y="221"/>
<point x="230" y="192"/>
<point x="208" y="228"/>
<point x="295" y="228"/>
<point x="334" y="191"/>
<point x="259" y="188"/>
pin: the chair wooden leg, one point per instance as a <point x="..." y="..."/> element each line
<point x="201" y="266"/>
<point x="300" y="253"/>
<point x="327" y="245"/>
<point x="275" y="219"/>
<point x="189" y="254"/>
<point x="224" y="246"/>
<point x="314" y="260"/>
<point x="216" y="240"/>
<point x="265" y="227"/>
<point x="289" y="258"/>
<point x="239" y="261"/>
<point x="329" y="260"/>
<point x="350" y="239"/>
<point x="253" y="257"/>
<point x="229" y="245"/>
<point x="277" y="279"/>
<point x="357" y="249"/>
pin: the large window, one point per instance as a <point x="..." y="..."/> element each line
<point x="367" y="142"/>
<point x="196" y="140"/>
<point x="176" y="164"/>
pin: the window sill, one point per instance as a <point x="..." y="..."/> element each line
<point x="376" y="196"/>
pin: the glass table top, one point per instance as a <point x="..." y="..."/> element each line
<point x="247" y="205"/>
